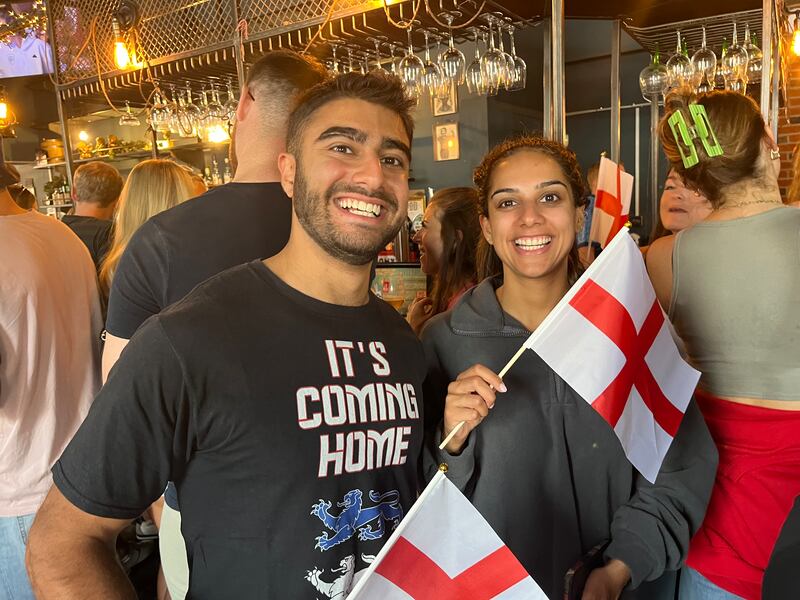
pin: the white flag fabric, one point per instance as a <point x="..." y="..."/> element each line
<point x="445" y="550"/>
<point x="612" y="202"/>
<point x="640" y="384"/>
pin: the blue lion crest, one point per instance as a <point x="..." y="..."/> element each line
<point x="354" y="518"/>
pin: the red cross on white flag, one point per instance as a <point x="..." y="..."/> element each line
<point x="612" y="202"/>
<point x="445" y="550"/>
<point x="609" y="340"/>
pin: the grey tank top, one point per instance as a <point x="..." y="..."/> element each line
<point x="736" y="303"/>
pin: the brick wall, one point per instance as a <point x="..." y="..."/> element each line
<point x="789" y="124"/>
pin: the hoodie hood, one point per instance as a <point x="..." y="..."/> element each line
<point x="479" y="314"/>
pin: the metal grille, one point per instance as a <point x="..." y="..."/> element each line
<point x="664" y="39"/>
<point x="167" y="29"/>
<point x="272" y="17"/>
<point x="171" y="32"/>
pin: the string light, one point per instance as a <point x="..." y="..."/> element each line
<point x="217" y="134"/>
<point x="796" y="34"/>
<point x="6" y="114"/>
<point x="121" y="57"/>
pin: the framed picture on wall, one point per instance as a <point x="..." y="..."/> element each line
<point x="445" y="104"/>
<point x="446" y="145"/>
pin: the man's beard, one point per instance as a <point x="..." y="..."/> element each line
<point x="313" y="213"/>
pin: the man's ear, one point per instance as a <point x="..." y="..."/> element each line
<point x="287" y="166"/>
<point x="245" y="104"/>
<point x="486" y="228"/>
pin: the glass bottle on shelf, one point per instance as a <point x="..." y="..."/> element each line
<point x="207" y="176"/>
<point x="215" y="176"/>
<point x="227" y="176"/>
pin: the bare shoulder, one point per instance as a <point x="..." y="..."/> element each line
<point x="659" y="267"/>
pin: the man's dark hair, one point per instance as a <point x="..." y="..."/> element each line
<point x="98" y="183"/>
<point x="377" y="88"/>
<point x="277" y="78"/>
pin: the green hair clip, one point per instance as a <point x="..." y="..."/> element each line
<point x="684" y="134"/>
<point x="683" y="137"/>
<point x="704" y="131"/>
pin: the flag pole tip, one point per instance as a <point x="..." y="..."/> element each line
<point x="443" y="467"/>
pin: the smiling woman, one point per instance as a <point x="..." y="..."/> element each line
<point x="543" y="468"/>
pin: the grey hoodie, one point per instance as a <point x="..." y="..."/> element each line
<point x="548" y="473"/>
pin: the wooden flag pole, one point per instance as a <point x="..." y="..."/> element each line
<point x="501" y="374"/>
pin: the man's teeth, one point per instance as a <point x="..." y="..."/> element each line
<point x="533" y="243"/>
<point x="361" y="208"/>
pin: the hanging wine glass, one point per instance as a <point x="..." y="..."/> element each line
<point x="452" y="60"/>
<point x="704" y="63"/>
<point x="128" y="119"/>
<point x="654" y="79"/>
<point x="159" y="114"/>
<point x="190" y="123"/>
<point x="216" y="111"/>
<point x="508" y="80"/>
<point x="722" y="72"/>
<point x="431" y="72"/>
<point x="173" y="106"/>
<point x="411" y="68"/>
<point x="494" y="67"/>
<point x="336" y="69"/>
<point x="520" y="68"/>
<point x="232" y="102"/>
<point x="736" y="60"/>
<point x="473" y="74"/>
<point x="754" y="56"/>
<point x="679" y="67"/>
<point x="377" y="41"/>
<point x="393" y="63"/>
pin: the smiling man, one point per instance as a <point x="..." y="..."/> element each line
<point x="281" y="397"/>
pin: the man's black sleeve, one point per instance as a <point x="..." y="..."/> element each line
<point x="138" y="289"/>
<point x="138" y="435"/>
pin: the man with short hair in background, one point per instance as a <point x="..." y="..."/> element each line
<point x="50" y="325"/>
<point x="95" y="190"/>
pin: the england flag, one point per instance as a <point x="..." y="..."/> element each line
<point x="445" y="550"/>
<point x="609" y="339"/>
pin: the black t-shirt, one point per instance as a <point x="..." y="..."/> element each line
<point x="182" y="247"/>
<point x="95" y="233"/>
<point x="291" y="427"/>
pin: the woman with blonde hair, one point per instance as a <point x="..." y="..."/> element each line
<point x="152" y="186"/>
<point x="731" y="286"/>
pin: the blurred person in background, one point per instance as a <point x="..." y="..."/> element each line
<point x="22" y="196"/>
<point x="50" y="324"/>
<point x="731" y="287"/>
<point x="584" y="245"/>
<point x="152" y="186"/>
<point x="678" y="209"/>
<point x="95" y="190"/>
<point x="19" y="192"/>
<point x="448" y="241"/>
<point x="793" y="193"/>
